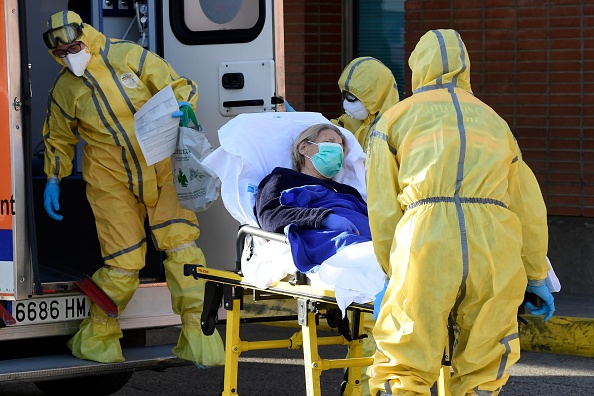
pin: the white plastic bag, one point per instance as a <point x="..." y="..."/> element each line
<point x="197" y="186"/>
<point x="552" y="281"/>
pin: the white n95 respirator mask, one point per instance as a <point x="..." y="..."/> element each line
<point x="355" y="109"/>
<point x="77" y="63"/>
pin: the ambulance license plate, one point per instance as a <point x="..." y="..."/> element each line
<point x="49" y="309"/>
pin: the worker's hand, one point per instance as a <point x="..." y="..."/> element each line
<point x="288" y="107"/>
<point x="50" y="198"/>
<point x="377" y="303"/>
<point x="548" y="302"/>
<point x="339" y="223"/>
<point x="185" y="114"/>
<point x="180" y="112"/>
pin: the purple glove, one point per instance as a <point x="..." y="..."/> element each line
<point x="339" y="223"/>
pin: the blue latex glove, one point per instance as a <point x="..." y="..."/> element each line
<point x="377" y="303"/>
<point x="339" y="223"/>
<point x="181" y="112"/>
<point x="50" y="198"/>
<point x="548" y="302"/>
<point x="288" y="107"/>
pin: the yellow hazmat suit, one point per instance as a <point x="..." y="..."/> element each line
<point x="374" y="85"/>
<point x="123" y="190"/>
<point x="458" y="222"/>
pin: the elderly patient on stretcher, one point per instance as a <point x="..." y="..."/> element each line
<point x="323" y="213"/>
<point x="319" y="215"/>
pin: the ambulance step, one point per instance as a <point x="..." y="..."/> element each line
<point x="156" y="357"/>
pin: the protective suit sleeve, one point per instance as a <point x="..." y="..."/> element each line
<point x="59" y="136"/>
<point x="527" y="203"/>
<point x="383" y="189"/>
<point x="347" y="122"/>
<point x="156" y="73"/>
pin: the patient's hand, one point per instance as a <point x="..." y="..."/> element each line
<point x="339" y="223"/>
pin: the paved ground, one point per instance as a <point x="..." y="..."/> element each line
<point x="280" y="373"/>
<point x="574" y="306"/>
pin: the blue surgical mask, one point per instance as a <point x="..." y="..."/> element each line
<point x="328" y="159"/>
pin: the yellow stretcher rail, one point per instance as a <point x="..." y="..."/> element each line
<point x="311" y="302"/>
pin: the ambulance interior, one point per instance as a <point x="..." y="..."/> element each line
<point x="67" y="249"/>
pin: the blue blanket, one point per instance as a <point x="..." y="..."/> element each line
<point x="310" y="247"/>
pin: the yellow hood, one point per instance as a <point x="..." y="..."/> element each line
<point x="440" y="60"/>
<point x="91" y="37"/>
<point x="371" y="82"/>
<point x="374" y="85"/>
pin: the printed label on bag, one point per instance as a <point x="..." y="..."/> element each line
<point x="195" y="174"/>
<point x="190" y="195"/>
<point x="182" y="178"/>
<point x="252" y="189"/>
<point x="182" y="154"/>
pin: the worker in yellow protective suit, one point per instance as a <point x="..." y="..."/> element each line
<point x="368" y="89"/>
<point x="459" y="225"/>
<point x="104" y="82"/>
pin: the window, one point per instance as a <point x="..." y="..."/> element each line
<point x="379" y="32"/>
<point x="216" y="21"/>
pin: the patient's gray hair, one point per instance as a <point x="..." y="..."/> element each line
<point x="312" y="134"/>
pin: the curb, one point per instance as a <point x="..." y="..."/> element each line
<point x="561" y="335"/>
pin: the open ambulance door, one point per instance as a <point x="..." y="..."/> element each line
<point x="43" y="260"/>
<point x="234" y="50"/>
<point x="15" y="255"/>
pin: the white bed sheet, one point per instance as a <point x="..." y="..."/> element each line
<point x="252" y="145"/>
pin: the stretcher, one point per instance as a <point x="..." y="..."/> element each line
<point x="228" y="288"/>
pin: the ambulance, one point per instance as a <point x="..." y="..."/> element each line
<point x="233" y="49"/>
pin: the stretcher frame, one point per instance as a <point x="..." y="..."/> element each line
<point x="228" y="287"/>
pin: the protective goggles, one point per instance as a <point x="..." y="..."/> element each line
<point x="73" y="48"/>
<point x="66" y="34"/>
<point x="349" y="96"/>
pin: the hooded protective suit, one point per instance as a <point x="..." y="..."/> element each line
<point x="458" y="223"/>
<point x="374" y="85"/>
<point x="122" y="189"/>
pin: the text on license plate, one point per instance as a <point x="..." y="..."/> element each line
<point x="49" y="309"/>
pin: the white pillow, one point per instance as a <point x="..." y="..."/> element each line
<point x="253" y="144"/>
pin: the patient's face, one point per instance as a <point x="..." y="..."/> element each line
<point x="308" y="149"/>
<point x="325" y="136"/>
